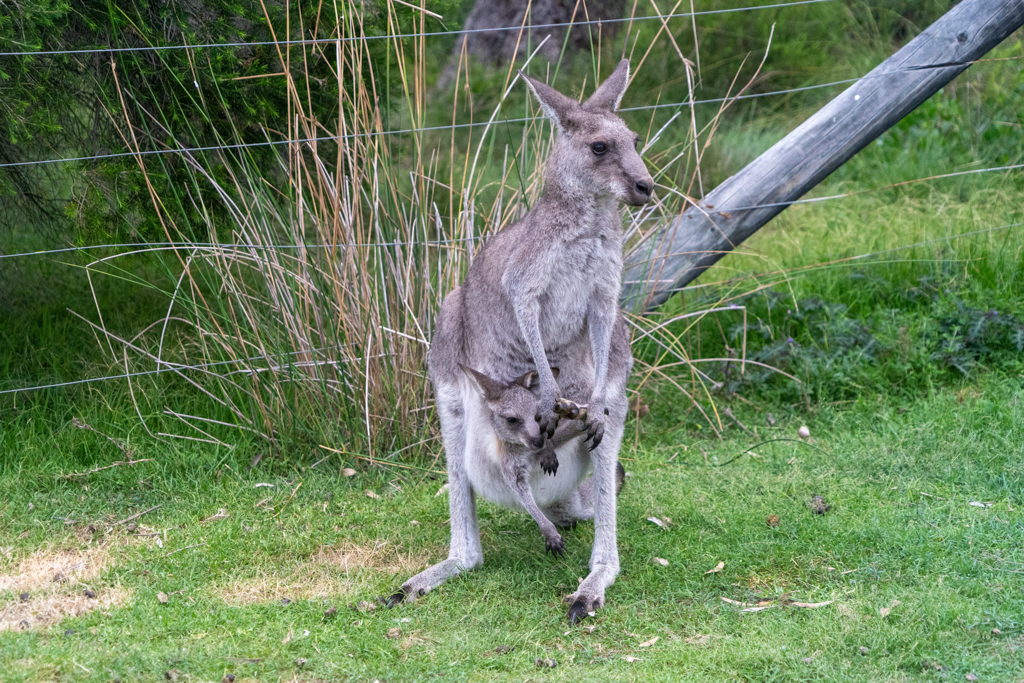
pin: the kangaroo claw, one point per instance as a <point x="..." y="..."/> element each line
<point x="395" y="598"/>
<point x="555" y="546"/>
<point x="578" y="611"/>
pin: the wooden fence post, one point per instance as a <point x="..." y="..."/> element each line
<point x="680" y="251"/>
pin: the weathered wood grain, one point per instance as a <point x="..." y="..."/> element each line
<point x="683" y="249"/>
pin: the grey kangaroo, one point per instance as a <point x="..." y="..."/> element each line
<point x="544" y="292"/>
<point x="522" y="451"/>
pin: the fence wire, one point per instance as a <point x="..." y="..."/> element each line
<point x="178" y="368"/>
<point x="147" y="247"/>
<point x="405" y="131"/>
<point x="400" y="36"/>
<point x="265" y="361"/>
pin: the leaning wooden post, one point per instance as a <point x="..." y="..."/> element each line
<point x="680" y="251"/>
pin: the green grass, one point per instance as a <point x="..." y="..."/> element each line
<point x="900" y="481"/>
<point x="915" y="411"/>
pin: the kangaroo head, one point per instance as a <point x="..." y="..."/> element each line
<point x="513" y="406"/>
<point x="594" y="151"/>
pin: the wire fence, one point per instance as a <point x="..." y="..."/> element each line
<point x="179" y="368"/>
<point x="405" y="131"/>
<point x="402" y="36"/>
<point x="264" y="363"/>
<point x="145" y="247"/>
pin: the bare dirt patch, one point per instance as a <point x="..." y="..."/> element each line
<point x="39" y="569"/>
<point x="333" y="572"/>
<point x="49" y="585"/>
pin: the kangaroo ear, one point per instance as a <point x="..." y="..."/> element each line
<point x="609" y="95"/>
<point x="489" y="388"/>
<point x="526" y="381"/>
<point x="556" y="106"/>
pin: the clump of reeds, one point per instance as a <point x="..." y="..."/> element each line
<point x="310" y="313"/>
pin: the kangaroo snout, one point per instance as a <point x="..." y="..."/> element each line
<point x="641" y="191"/>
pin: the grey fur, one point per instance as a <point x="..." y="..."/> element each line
<point x="544" y="292"/>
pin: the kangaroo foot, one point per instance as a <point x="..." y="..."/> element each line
<point x="570" y="410"/>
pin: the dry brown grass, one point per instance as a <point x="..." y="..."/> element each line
<point x="333" y="572"/>
<point x="55" y="581"/>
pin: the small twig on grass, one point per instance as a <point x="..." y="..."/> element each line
<point x="188" y="547"/>
<point x="377" y="461"/>
<point x="319" y="461"/>
<point x="138" y="514"/>
<point x="288" y="501"/>
<point x="107" y="467"/>
<point x="82" y="424"/>
<point x="728" y="414"/>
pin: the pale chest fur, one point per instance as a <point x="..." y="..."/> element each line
<point x="589" y="270"/>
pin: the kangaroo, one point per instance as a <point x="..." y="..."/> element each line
<point x="516" y="477"/>
<point x="544" y="292"/>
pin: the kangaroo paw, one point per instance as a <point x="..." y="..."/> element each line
<point x="570" y="410"/>
<point x="555" y="545"/>
<point x="549" y="462"/>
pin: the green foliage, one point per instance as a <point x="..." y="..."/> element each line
<point x="70" y="105"/>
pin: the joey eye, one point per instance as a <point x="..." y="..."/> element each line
<point x="636" y="142"/>
<point x="512" y="420"/>
<point x="599" y="148"/>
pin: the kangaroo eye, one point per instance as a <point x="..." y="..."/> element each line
<point x="636" y="142"/>
<point x="599" y="148"/>
<point x="512" y="420"/>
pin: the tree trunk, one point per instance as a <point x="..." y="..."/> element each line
<point x="680" y="251"/>
<point x="488" y="43"/>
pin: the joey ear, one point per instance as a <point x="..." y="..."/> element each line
<point x="527" y="380"/>
<point x="556" y="106"/>
<point x="609" y="94"/>
<point x="489" y="388"/>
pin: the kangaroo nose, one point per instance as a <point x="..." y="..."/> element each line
<point x="538" y="442"/>
<point x="644" y="189"/>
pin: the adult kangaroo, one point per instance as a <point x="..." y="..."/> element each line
<point x="544" y="292"/>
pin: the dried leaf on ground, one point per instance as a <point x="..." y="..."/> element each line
<point x="735" y="602"/>
<point x="162" y="597"/>
<point x="655" y="520"/>
<point x="980" y="504"/>
<point x="441" y="490"/>
<point x="370" y="494"/>
<point x="717" y="568"/>
<point x="886" y="610"/>
<point x="631" y="659"/>
<point x="348" y="472"/>
<point x="662" y="561"/>
<point x="650" y="642"/>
